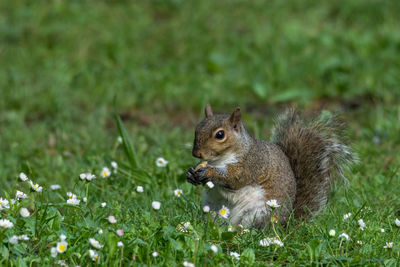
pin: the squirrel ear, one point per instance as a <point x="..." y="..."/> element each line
<point x="208" y="111"/>
<point x="235" y="118"/>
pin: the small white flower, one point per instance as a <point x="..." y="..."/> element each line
<point x="120" y="244"/>
<point x="235" y="255"/>
<point x="344" y="236"/>
<point x="346" y="216"/>
<point x="114" y="165"/>
<point x="82" y="176"/>
<point x="206" y="208"/>
<point x="359" y="242"/>
<point x="105" y="172"/>
<point x="139" y="189"/>
<point x="224" y="212"/>
<point x="273" y="203"/>
<point x="156" y="205"/>
<point x="332" y="232"/>
<point x="23" y="176"/>
<point x="4" y="204"/>
<point x="361" y="223"/>
<point x="210" y="184"/>
<point x="266" y="242"/>
<point x="397" y="222"/>
<point x="73" y="201"/>
<point x="120" y="232"/>
<point x="95" y="243"/>
<point x="62" y="263"/>
<point x="100" y="232"/>
<point x="230" y="229"/>
<point x="5" y="223"/>
<point x="23" y="237"/>
<point x="178" y="192"/>
<point x="20" y="194"/>
<point x="188" y="264"/>
<point x="62" y="246"/>
<point x="155" y="254"/>
<point x="24" y="212"/>
<point x="388" y="245"/>
<point x="214" y="248"/>
<point x="103" y="204"/>
<point x="90" y="176"/>
<point x="119" y="139"/>
<point x="94" y="255"/>
<point x="55" y="187"/>
<point x="63" y="237"/>
<point x="13" y="240"/>
<point x="112" y="219"/>
<point x="277" y="242"/>
<point x="161" y="162"/>
<point x="53" y="252"/>
<point x="84" y="199"/>
<point x="35" y="187"/>
<point x="382" y="230"/>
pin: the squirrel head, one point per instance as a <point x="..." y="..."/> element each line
<point x="217" y="135"/>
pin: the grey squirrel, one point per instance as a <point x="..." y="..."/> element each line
<point x="296" y="168"/>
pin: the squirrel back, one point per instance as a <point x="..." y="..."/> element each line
<point x="316" y="154"/>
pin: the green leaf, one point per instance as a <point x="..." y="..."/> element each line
<point x="260" y="90"/>
<point x="248" y="257"/>
<point x="228" y="235"/>
<point x="112" y="245"/>
<point x="127" y="143"/>
<point x="4" y="252"/>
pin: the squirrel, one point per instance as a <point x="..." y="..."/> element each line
<point x="295" y="169"/>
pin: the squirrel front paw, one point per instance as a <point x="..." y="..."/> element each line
<point x="197" y="177"/>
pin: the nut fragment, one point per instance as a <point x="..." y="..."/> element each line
<point x="201" y="165"/>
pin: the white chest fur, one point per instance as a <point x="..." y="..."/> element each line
<point x="246" y="205"/>
<point x="222" y="163"/>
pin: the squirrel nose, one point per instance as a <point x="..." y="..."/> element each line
<point x="196" y="153"/>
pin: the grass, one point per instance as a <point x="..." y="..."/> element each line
<point x="65" y="63"/>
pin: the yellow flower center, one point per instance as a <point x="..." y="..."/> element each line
<point x="96" y="257"/>
<point x="61" y="247"/>
<point x="105" y="173"/>
<point x="178" y="193"/>
<point x="36" y="186"/>
<point x="222" y="212"/>
<point x="70" y="196"/>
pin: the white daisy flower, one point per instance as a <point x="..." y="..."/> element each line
<point x="120" y="244"/>
<point x="35" y="187"/>
<point x="84" y="199"/>
<point x="5" y="223"/>
<point x="178" y="192"/>
<point x="188" y="264"/>
<point x="95" y="243"/>
<point x="276" y="241"/>
<point x="112" y="219"/>
<point x="23" y="237"/>
<point x="346" y="216"/>
<point x="273" y="203"/>
<point x="73" y="201"/>
<point x="224" y="212"/>
<point x="235" y="255"/>
<point x="382" y="230"/>
<point x="55" y="187"/>
<point x="230" y="229"/>
<point x="24" y="212"/>
<point x="105" y="172"/>
<point x="63" y="237"/>
<point x="206" y="208"/>
<point x="82" y="176"/>
<point x="161" y="162"/>
<point x="120" y="232"/>
<point x="103" y="204"/>
<point x="214" y="248"/>
<point x="53" y="252"/>
<point x="13" y="240"/>
<point x="154" y="254"/>
<point x="4" y="204"/>
<point x="139" y="189"/>
<point x="210" y="184"/>
<point x="94" y="255"/>
<point x="344" y="236"/>
<point x="156" y="205"/>
<point x="90" y="176"/>
<point x="388" y="245"/>
<point x="361" y="223"/>
<point x="397" y="222"/>
<point x="23" y="176"/>
<point x="62" y="246"/>
<point x="114" y="165"/>
<point x="100" y="232"/>
<point x="266" y="242"/>
<point x="20" y="194"/>
<point x="332" y="232"/>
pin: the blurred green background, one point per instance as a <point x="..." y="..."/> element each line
<point x="63" y="62"/>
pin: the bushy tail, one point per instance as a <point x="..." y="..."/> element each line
<point x="316" y="154"/>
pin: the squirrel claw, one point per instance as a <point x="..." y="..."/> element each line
<point x="197" y="177"/>
<point x="191" y="177"/>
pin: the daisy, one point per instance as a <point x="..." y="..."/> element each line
<point x="103" y="204"/>
<point x="210" y="184"/>
<point x="156" y="205"/>
<point x="120" y="244"/>
<point x="235" y="255"/>
<point x="332" y="232"/>
<point x="4" y="223"/>
<point x="112" y="219"/>
<point x="23" y="176"/>
<point x="344" y="235"/>
<point x="55" y="187"/>
<point x="4" y="204"/>
<point x="94" y="255"/>
<point x="62" y="246"/>
<point x="224" y="212"/>
<point x="276" y="241"/>
<point x="35" y="187"/>
<point x="53" y="252"/>
<point x="266" y="242"/>
<point x="214" y="248"/>
<point x="100" y="232"/>
<point x="188" y="264"/>
<point x="114" y="165"/>
<point x="273" y="203"/>
<point x="361" y="223"/>
<point x="63" y="237"/>
<point x="95" y="243"/>
<point x="346" y="216"/>
<point x="382" y="230"/>
<point x="105" y="172"/>
<point x="73" y="201"/>
<point x="139" y="189"/>
<point x="120" y="232"/>
<point x="24" y="212"/>
<point x="206" y="208"/>
<point x="178" y="192"/>
<point x="155" y="254"/>
<point x="388" y="245"/>
<point x="84" y="199"/>
<point x="397" y="222"/>
<point x="23" y="237"/>
<point x="20" y="194"/>
<point x="13" y="240"/>
<point x="161" y="162"/>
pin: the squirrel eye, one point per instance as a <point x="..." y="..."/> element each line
<point x="220" y="135"/>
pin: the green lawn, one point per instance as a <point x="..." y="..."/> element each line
<point x="67" y="66"/>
